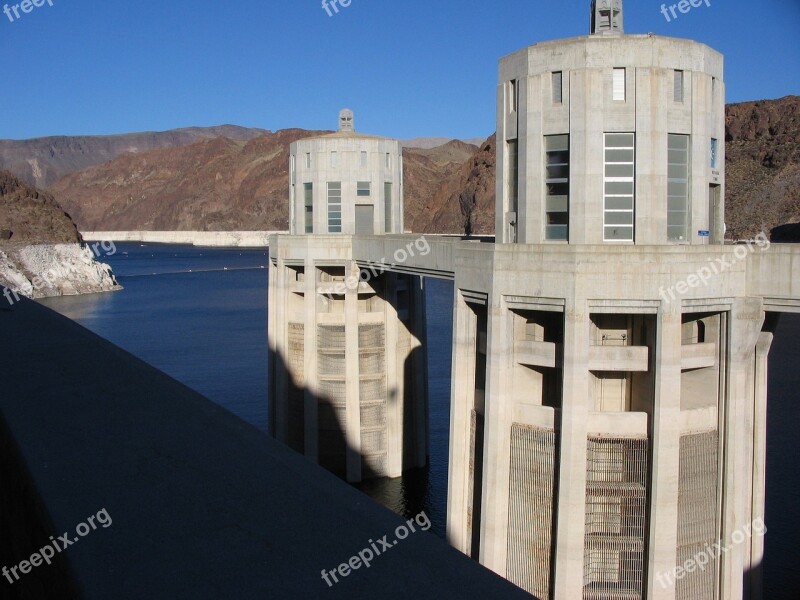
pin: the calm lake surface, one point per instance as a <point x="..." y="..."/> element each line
<point x="200" y="315"/>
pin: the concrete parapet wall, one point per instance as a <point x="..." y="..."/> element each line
<point x="202" y="504"/>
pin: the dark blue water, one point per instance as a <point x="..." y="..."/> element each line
<point x="200" y="315"/>
<point x="184" y="313"/>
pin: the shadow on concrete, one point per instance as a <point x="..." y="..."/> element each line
<point x="203" y="504"/>
<point x="785" y="234"/>
<point x="25" y="526"/>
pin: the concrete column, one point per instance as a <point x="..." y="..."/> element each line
<point x="746" y="321"/>
<point x="311" y="391"/>
<point x="278" y="331"/>
<point x="462" y="400"/>
<point x="419" y="364"/>
<point x="394" y="379"/>
<point x="272" y="324"/>
<point x="497" y="437"/>
<point x="352" y="387"/>
<point x="571" y="504"/>
<point x="759" y="475"/>
<point x="665" y="439"/>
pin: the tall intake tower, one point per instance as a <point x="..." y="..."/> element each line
<point x="347" y="363"/>
<point x="612" y="434"/>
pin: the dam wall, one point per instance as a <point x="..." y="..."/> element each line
<point x="161" y="493"/>
<point x="244" y="239"/>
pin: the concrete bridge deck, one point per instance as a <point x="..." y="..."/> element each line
<point x="772" y="273"/>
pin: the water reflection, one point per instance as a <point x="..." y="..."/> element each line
<point x="82" y="308"/>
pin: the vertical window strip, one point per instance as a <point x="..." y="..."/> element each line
<point x="335" y="207"/>
<point x="557" y="187"/>
<point x="618" y="187"/>
<point x="677" y="188"/>
<point x="678" y="86"/>
<point x="387" y="205"/>
<point x="309" y="207"/>
<point x="513" y="175"/>
<point x="558" y="87"/>
<point x="619" y="84"/>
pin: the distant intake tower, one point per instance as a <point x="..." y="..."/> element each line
<point x="346" y="182"/>
<point x="347" y="364"/>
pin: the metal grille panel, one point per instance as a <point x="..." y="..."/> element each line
<point x="530" y="519"/>
<point x="371" y="336"/>
<point x="372" y="390"/>
<point x="373" y="415"/>
<point x="331" y="364"/>
<point x="333" y="392"/>
<point x="616" y="518"/>
<point x="331" y="336"/>
<point x="371" y="363"/>
<point x="297" y="352"/>
<point x="697" y="513"/>
<point x="373" y="442"/>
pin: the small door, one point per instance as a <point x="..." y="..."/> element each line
<point x="365" y="219"/>
<point x="717" y="236"/>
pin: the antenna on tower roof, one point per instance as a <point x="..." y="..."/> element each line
<point x="607" y="16"/>
<point x="346" y="120"/>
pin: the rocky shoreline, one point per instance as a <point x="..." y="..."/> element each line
<point x="47" y="270"/>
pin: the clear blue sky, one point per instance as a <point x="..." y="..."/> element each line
<point x="407" y="67"/>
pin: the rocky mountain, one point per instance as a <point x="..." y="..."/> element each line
<point x="216" y="184"/>
<point x="40" y="248"/>
<point x="427" y="143"/>
<point x="31" y="216"/>
<point x="41" y="161"/>
<point x="465" y="202"/>
<point x="226" y="184"/>
<point x="425" y="173"/>
<point x="762" y="167"/>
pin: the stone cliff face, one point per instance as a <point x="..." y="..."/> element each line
<point x="31" y="216"/>
<point x="763" y="166"/>
<point x="45" y="270"/>
<point x="41" y="251"/>
<point x="464" y="202"/>
<point x="426" y="172"/>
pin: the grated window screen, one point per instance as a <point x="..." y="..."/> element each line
<point x="616" y="518"/>
<point x="530" y="518"/>
<point x="697" y="512"/>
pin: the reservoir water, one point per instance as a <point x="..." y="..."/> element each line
<point x="200" y="315"/>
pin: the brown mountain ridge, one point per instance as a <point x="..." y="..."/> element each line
<point x="226" y="184"/>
